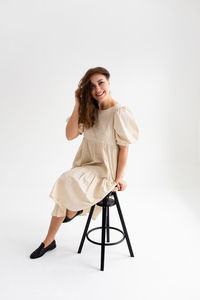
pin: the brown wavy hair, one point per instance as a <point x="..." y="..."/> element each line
<point x="88" y="106"/>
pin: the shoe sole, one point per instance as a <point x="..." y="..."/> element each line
<point x="70" y="219"/>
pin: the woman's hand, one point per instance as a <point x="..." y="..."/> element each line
<point x="121" y="184"/>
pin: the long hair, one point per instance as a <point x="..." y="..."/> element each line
<point x="88" y="106"/>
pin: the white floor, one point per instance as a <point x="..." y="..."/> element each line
<point x="163" y="225"/>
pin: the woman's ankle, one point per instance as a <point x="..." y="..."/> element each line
<point x="47" y="242"/>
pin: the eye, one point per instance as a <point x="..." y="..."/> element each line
<point x="92" y="86"/>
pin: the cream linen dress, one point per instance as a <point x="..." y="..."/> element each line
<point x="94" y="168"/>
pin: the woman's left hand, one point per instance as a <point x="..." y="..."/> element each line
<point x="121" y="184"/>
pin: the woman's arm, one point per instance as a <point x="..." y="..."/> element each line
<point x="72" y="130"/>
<point x="122" y="159"/>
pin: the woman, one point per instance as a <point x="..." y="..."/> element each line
<point x="108" y="128"/>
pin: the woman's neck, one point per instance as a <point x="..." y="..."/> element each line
<point x="107" y="103"/>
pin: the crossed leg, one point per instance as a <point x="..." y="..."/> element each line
<point x="55" y="225"/>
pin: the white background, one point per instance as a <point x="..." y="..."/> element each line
<point x="151" y="49"/>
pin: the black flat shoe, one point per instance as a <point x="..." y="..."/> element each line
<point x="41" y="250"/>
<point x="69" y="219"/>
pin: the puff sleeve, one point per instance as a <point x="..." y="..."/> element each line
<point x="80" y="126"/>
<point x="125" y="128"/>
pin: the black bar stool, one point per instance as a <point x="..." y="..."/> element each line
<point x="105" y="204"/>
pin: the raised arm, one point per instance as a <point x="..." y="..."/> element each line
<point x="72" y="129"/>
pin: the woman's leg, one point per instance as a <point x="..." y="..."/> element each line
<point x="54" y="226"/>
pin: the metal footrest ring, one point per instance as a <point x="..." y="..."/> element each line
<point x="106" y="244"/>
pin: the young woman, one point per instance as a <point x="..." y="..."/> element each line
<point x="98" y="167"/>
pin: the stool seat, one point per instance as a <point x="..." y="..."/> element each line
<point x="106" y="203"/>
<point x="109" y="202"/>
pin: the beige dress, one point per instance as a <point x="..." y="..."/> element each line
<point x="94" y="168"/>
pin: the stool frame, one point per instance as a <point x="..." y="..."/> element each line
<point x="105" y="204"/>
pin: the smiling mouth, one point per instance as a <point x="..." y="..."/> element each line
<point x="100" y="94"/>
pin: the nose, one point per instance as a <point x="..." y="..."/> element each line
<point x="98" y="89"/>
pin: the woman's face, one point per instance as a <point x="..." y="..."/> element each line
<point x="99" y="87"/>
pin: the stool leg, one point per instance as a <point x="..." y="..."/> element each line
<point x="86" y="228"/>
<point x="107" y="224"/>
<point x="103" y="237"/>
<point x="124" y="226"/>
